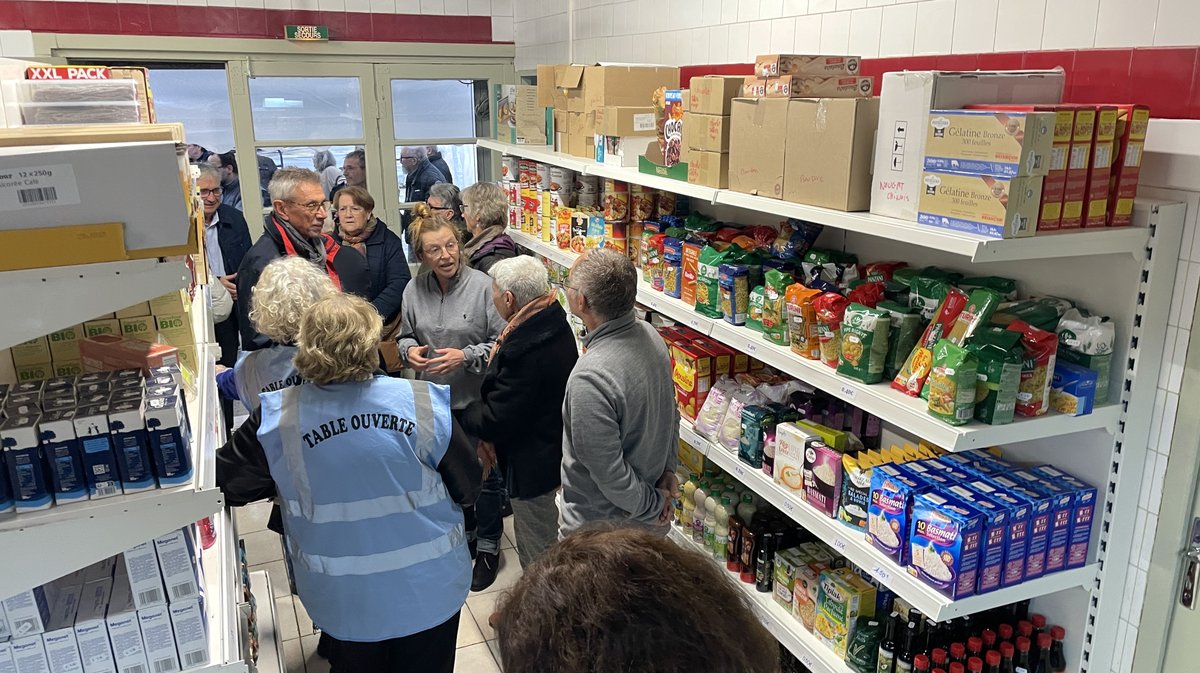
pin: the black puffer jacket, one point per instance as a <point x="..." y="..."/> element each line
<point x="521" y="408"/>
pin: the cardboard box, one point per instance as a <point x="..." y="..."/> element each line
<point x="545" y="84"/>
<point x="91" y="632"/>
<point x="774" y="65"/>
<point x="692" y="373"/>
<point x="64" y="344"/>
<point x="710" y="169"/>
<point x="626" y="121"/>
<point x="29" y="655"/>
<point x="605" y="85"/>
<point x="107" y="352"/>
<point x="581" y="131"/>
<point x="756" y="151"/>
<point x="568" y="83"/>
<point x="621" y="150"/>
<point x="1132" y="122"/>
<point x="62" y="649"/>
<point x="1079" y="164"/>
<point x="93" y="328"/>
<point x="158" y="638"/>
<point x="34" y="351"/>
<point x="123" y="630"/>
<point x="141" y="78"/>
<point x="828" y="155"/>
<point x="713" y="94"/>
<point x="143" y="328"/>
<point x="177" y="301"/>
<point x="28" y="612"/>
<point x="177" y="559"/>
<point x="707" y="133"/>
<point x="190" y="625"/>
<point x="985" y="142"/>
<point x="812" y="86"/>
<point x="905" y="103"/>
<point x="145" y="577"/>
<point x="67" y="367"/>
<point x="534" y="123"/>
<point x="39" y="247"/>
<point x="1095" y="203"/>
<point x="77" y="185"/>
<point x="983" y="205"/>
<point x="135" y="311"/>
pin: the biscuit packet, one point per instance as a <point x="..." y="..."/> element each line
<point x="911" y="378"/>
<point x="951" y="383"/>
<point x="830" y="309"/>
<point x="802" y="321"/>
<point x="864" y="343"/>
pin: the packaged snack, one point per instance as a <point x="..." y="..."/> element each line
<point x="1073" y="391"/>
<point x="905" y="329"/>
<point x="838" y="439"/>
<point x="951" y="383"/>
<point x="993" y="540"/>
<point x="802" y="321"/>
<point x="945" y="544"/>
<point x="1088" y="341"/>
<point x="714" y="407"/>
<point x="842" y="597"/>
<point x="774" y="310"/>
<point x="1062" y="508"/>
<point x="1042" y="312"/>
<point x="856" y="490"/>
<point x="1016" y="543"/>
<point x="830" y="309"/>
<point x="579" y="231"/>
<point x="795" y="238"/>
<point x="734" y="284"/>
<point x="649" y="229"/>
<point x="786" y="564"/>
<point x="832" y="266"/>
<point x="867" y="294"/>
<point x="790" y="441"/>
<point x="756" y="421"/>
<point x="806" y="591"/>
<point x="911" y="378"/>
<point x="672" y="264"/>
<point x="998" y="352"/>
<point x="889" y="516"/>
<point x="864" y="337"/>
<point x="654" y="261"/>
<point x="981" y="303"/>
<point x="1084" y="504"/>
<point x="691" y="269"/>
<point x="1006" y="287"/>
<point x="783" y="414"/>
<point x="708" y="293"/>
<point x="758" y="297"/>
<point x="1041" y="511"/>
<point x="596" y="228"/>
<point x="1037" y="368"/>
<point x="822" y="477"/>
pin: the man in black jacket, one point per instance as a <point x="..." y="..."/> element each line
<point x="420" y="175"/>
<point x="226" y="240"/>
<point x="435" y="158"/>
<point x="519" y="418"/>
<point x="295" y="227"/>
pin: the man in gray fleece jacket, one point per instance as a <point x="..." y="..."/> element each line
<point x="620" y="422"/>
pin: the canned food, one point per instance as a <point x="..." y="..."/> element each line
<point x="543" y="176"/>
<point x="616" y="200"/>
<point x="509" y="168"/>
<point x="587" y="184"/>
<point x="643" y="203"/>
<point x="561" y="179"/>
<point x="587" y="200"/>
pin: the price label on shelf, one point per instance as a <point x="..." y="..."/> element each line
<point x="849" y="392"/>
<point x="839" y="544"/>
<point x="789" y="505"/>
<point x="654" y="304"/>
<point x="694" y="321"/>
<point x="880" y="573"/>
<point x="752" y="347"/>
<point x="739" y="471"/>
<point x="807" y="660"/>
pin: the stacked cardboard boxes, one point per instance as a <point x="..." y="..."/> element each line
<point x="807" y="76"/>
<point x="706" y="128"/>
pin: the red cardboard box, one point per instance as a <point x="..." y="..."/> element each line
<point x="1078" y="166"/>
<point x="1132" y="122"/>
<point x="1095" y="206"/>
<point x="108" y="352"/>
<point x="726" y="361"/>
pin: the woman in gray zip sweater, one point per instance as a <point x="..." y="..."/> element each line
<point x="448" y="324"/>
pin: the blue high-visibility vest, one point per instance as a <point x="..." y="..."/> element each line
<point x="263" y="371"/>
<point x="377" y="545"/>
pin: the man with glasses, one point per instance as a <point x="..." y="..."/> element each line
<point x="420" y="176"/>
<point x="295" y="227"/>
<point x="226" y="239"/>
<point x="445" y="201"/>
<point x="231" y="185"/>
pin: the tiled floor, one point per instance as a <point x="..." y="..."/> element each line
<point x="476" y="640"/>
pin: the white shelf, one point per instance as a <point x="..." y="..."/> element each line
<point x="881" y="399"/>
<point x="270" y="651"/>
<point x="41" y="546"/>
<point x="852" y="544"/>
<point x="1128" y="240"/>
<point x="39" y="301"/>
<point x="220" y="563"/>
<point x="787" y="629"/>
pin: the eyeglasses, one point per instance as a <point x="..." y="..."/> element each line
<point x="210" y="192"/>
<point x="313" y="207"/>
<point x="440" y="208"/>
<point x="351" y="209"/>
<point x="436" y="251"/>
<point x="408" y="158"/>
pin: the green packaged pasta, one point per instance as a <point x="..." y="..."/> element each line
<point x="926" y="293"/>
<point x="998" y="380"/>
<point x="905" y="330"/>
<point x="708" y="290"/>
<point x="951" y="383"/>
<point x="754" y="318"/>
<point x="1006" y="287"/>
<point x="774" y="308"/>
<point x="864" y="343"/>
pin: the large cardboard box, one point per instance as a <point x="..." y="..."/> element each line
<point x="710" y="169"/>
<point x="713" y="94"/>
<point x="756" y="145"/>
<point x="829" y="144"/>
<point x="581" y="133"/>
<point x="546" y="84"/>
<point x="77" y="184"/>
<point x="519" y="118"/>
<point x="615" y="120"/>
<point x="905" y="102"/>
<point x="605" y="85"/>
<point x="775" y="65"/>
<point x="707" y="133"/>
<point x="568" y="84"/>
<point x="988" y="206"/>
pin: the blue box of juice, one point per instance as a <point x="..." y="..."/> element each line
<point x="889" y="516"/>
<point x="64" y="456"/>
<point x="170" y="439"/>
<point x="994" y="544"/>
<point x="1041" y="512"/>
<point x="1017" y="541"/>
<point x="128" y="429"/>
<point x="1063" y="506"/>
<point x="99" y="462"/>
<point x="945" y="543"/>
<point x="23" y="458"/>
<point x="1081" y="516"/>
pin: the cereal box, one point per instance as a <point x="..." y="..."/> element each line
<point x="841" y="598"/>
<point x="995" y="537"/>
<point x="1041" y="512"/>
<point x="995" y="207"/>
<point x="945" y="544"/>
<point x="1081" y="515"/>
<point x="774" y="65"/>
<point x="822" y="477"/>
<point x="1095" y="203"/>
<point x="1017" y="539"/>
<point x="1132" y="122"/>
<point x="1079" y="162"/>
<point x="985" y="142"/>
<point x="889" y="514"/>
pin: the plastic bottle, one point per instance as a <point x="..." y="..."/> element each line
<point x="1058" y="660"/>
<point x="989" y="640"/>
<point x="991" y="662"/>
<point x="687" y="500"/>
<point x="974" y="665"/>
<point x="886" y="663"/>
<point x="700" y="497"/>
<point x="1022" y="663"/>
<point x="746" y="509"/>
<point x="1005" y="632"/>
<point x="689" y="513"/>
<point x="751" y="532"/>
<point x="1007" y="650"/>
<point x="710" y="524"/>
<point x="939" y="658"/>
<point x="764" y="563"/>
<point x="974" y="648"/>
<point x="1025" y="630"/>
<point x="958" y="653"/>
<point x="720" y="546"/>
<point x="733" y="550"/>
<point x="1039" y="625"/>
<point x="921" y="664"/>
<point x="1043" y="655"/>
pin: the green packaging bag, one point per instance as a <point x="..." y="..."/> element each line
<point x="774" y="308"/>
<point x="1006" y="287"/>
<point x="951" y="383"/>
<point x="862" y="652"/>
<point x="926" y="293"/>
<point x="905" y="331"/>
<point x="999" y="375"/>
<point x="754" y="319"/>
<point x="708" y="291"/>
<point x="864" y="343"/>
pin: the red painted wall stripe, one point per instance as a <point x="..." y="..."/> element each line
<point x="1165" y="78"/>
<point x="106" y="18"/>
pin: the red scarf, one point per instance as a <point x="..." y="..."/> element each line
<point x="331" y="250"/>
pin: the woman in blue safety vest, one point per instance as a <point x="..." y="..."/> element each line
<point x="372" y="473"/>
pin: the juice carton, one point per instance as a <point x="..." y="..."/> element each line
<point x="127" y="428"/>
<point x="945" y="543"/>
<point x="170" y="439"/>
<point x="23" y="459"/>
<point x="99" y="462"/>
<point x="64" y="455"/>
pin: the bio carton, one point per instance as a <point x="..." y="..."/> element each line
<point x="33" y="352"/>
<point x="64" y="344"/>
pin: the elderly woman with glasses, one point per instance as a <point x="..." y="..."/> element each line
<point x="485" y="208"/>
<point x="448" y="325"/>
<point x="358" y="228"/>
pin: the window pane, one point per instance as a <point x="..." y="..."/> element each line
<point x="433" y="108"/>
<point x="462" y="160"/>
<point x="199" y="99"/>
<point x="271" y="159"/>
<point x="306" y="107"/>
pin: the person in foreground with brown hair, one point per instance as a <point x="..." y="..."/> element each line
<point x="616" y="600"/>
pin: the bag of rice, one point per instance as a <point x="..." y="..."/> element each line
<point x="911" y="378"/>
<point x="802" y="321"/>
<point x="774" y="308"/>
<point x="864" y="343"/>
<point x="999" y="376"/>
<point x="951" y="383"/>
<point x="729" y="435"/>
<point x="1088" y="341"/>
<point x="1037" y="368"/>
<point x="708" y="291"/>
<point x="906" y="325"/>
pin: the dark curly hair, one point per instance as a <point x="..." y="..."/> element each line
<point x="619" y="600"/>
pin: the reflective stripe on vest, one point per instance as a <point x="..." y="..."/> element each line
<point x="371" y="564"/>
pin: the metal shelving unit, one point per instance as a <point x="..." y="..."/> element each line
<point x="220" y="564"/>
